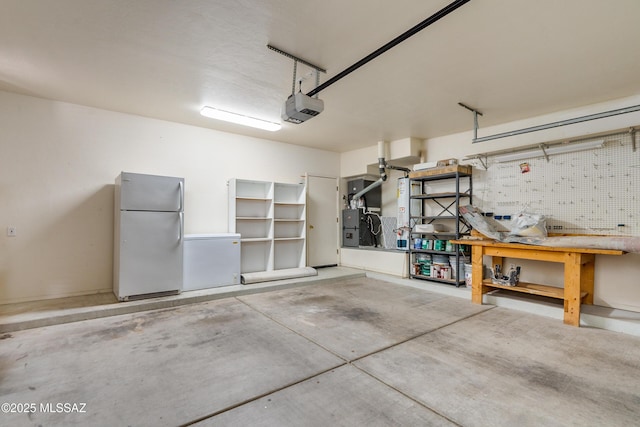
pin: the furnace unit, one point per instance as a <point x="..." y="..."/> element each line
<point x="361" y="224"/>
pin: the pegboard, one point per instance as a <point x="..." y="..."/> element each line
<point x="588" y="192"/>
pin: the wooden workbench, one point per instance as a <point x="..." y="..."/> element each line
<point x="579" y="266"/>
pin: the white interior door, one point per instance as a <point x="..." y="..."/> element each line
<point x="322" y="221"/>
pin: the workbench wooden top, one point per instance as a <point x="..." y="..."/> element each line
<point x="522" y="246"/>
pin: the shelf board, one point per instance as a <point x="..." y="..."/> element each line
<point x="288" y="203"/>
<point x="280" y="239"/>
<point x="252" y="218"/>
<point x="255" y="239"/>
<point x="433" y="279"/>
<point x="443" y="172"/>
<point x="288" y="220"/>
<point x="431" y="251"/>
<point x="440" y="195"/>
<point x="437" y="233"/>
<point x="432" y="217"/>
<point x="532" y="288"/>
<point x="253" y="199"/>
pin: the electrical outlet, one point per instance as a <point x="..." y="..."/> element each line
<point x="11" y="231"/>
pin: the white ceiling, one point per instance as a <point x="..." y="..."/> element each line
<point x="165" y="59"/>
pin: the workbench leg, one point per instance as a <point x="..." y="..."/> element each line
<point x="572" y="285"/>
<point x="588" y="263"/>
<point x="477" y="270"/>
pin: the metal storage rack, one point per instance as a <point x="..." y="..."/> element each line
<point x="452" y="187"/>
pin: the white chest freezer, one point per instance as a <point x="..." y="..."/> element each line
<point x="211" y="260"/>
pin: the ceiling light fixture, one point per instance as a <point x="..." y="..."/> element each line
<point x="240" y="119"/>
<point x="544" y="151"/>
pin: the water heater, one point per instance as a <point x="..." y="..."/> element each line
<point x="403" y="220"/>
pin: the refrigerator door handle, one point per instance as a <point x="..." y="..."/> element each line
<point x="180" y="236"/>
<point x="181" y="187"/>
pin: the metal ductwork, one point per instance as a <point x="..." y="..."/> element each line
<point x="383" y="174"/>
<point x="382" y="168"/>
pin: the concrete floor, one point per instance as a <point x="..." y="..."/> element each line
<point x="35" y="314"/>
<point x="346" y="351"/>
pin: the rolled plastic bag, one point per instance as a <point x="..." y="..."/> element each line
<point x="528" y="224"/>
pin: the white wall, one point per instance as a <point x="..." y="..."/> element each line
<point x="57" y="171"/>
<point x="616" y="283"/>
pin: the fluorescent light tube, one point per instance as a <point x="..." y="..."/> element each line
<point x="572" y="148"/>
<point x="240" y="119"/>
<point x="555" y="149"/>
<point x="518" y="155"/>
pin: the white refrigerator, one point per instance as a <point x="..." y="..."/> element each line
<point x="148" y="235"/>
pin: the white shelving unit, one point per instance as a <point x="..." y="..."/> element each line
<point x="271" y="220"/>
<point x="289" y="236"/>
